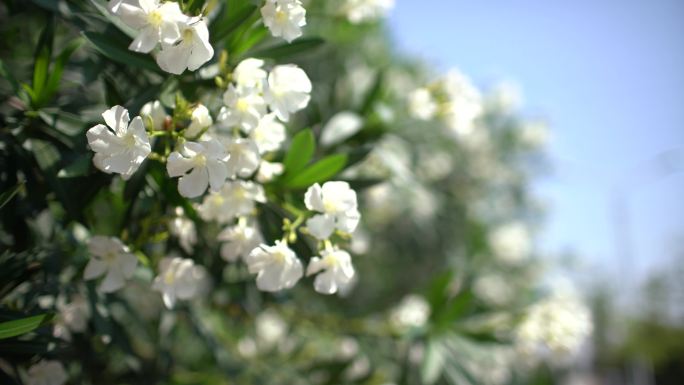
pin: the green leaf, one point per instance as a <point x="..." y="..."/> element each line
<point x="58" y="69"/>
<point x="119" y="53"/>
<point x="320" y="171"/>
<point x="42" y="60"/>
<point x="297" y="47"/>
<point x="221" y="29"/>
<point x="22" y="326"/>
<point x="77" y="168"/>
<point x="7" y="196"/>
<point x="301" y="151"/>
<point x="4" y="72"/>
<point x="433" y="363"/>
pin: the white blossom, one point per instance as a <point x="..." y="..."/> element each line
<point x="422" y="104"/>
<point x="268" y="171"/>
<point x="244" y="108"/>
<point x="46" y="372"/>
<point x="511" y="242"/>
<point x="464" y="103"/>
<point x="200" y="119"/>
<point x="334" y="269"/>
<point x="111" y="258"/>
<point x="244" y="157"/>
<point x="73" y="316"/>
<point x="269" y="134"/>
<point x="413" y="311"/>
<point x="156" y="22"/>
<point x="240" y="239"/>
<point x="236" y="198"/>
<point x="288" y="90"/>
<point x="359" y="11"/>
<point x="277" y="267"/>
<point x="206" y="163"/>
<point x="340" y="127"/>
<point x="284" y="18"/>
<point x="191" y="51"/>
<point x="121" y="148"/>
<point x="336" y="202"/>
<point x="179" y="278"/>
<point x="154" y="111"/>
<point x="555" y="327"/>
<point x="270" y="328"/>
<point x="184" y="229"/>
<point x="249" y="73"/>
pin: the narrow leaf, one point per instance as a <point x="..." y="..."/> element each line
<point x="118" y="53"/>
<point x="22" y="326"/>
<point x="221" y="29"/>
<point x="320" y="171"/>
<point x="305" y="45"/>
<point x="58" y="69"/>
<point x="301" y="151"/>
<point x="7" y="196"/>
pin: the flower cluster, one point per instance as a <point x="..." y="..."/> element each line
<point x="284" y="18"/>
<point x="359" y="11"/>
<point x="453" y="99"/>
<point x="184" y="40"/>
<point x="225" y="156"/>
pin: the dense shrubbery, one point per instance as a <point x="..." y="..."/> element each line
<point x="194" y="192"/>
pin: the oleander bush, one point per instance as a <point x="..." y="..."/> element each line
<point x="262" y="192"/>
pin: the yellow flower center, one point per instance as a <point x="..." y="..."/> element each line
<point x="155" y="18"/>
<point x="200" y="160"/>
<point x="187" y="34"/>
<point x="279" y="256"/>
<point x="329" y="206"/>
<point x="280" y="16"/>
<point x="129" y="140"/>
<point x="242" y="105"/>
<point x="169" y="278"/>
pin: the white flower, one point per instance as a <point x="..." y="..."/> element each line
<point x="284" y="18"/>
<point x="111" y="258"/>
<point x="155" y="22"/>
<point x="121" y="148"/>
<point x="337" y="270"/>
<point x="277" y="267"/>
<point x="240" y="240"/>
<point x="464" y="104"/>
<point x="155" y="112"/>
<point x="337" y="203"/>
<point x="244" y="108"/>
<point x="184" y="228"/>
<point x="421" y="104"/>
<point x="244" y="157"/>
<point x="340" y="127"/>
<point x="556" y="326"/>
<point x="235" y="199"/>
<point x="207" y="160"/>
<point x="269" y="134"/>
<point x="47" y="372"/>
<point x="268" y="171"/>
<point x="511" y="242"/>
<point x="359" y="11"/>
<point x="74" y="314"/>
<point x="191" y="51"/>
<point x="413" y="311"/>
<point x="179" y="278"/>
<point x="250" y="74"/>
<point x="73" y="317"/>
<point x="270" y="328"/>
<point x="288" y="90"/>
<point x="200" y="120"/>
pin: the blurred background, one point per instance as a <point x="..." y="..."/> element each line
<point x="607" y="77"/>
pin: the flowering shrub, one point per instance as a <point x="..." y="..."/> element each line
<point x="209" y="192"/>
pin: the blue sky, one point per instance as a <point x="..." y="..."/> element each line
<point x="609" y="77"/>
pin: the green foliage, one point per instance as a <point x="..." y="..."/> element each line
<point x="22" y="326"/>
